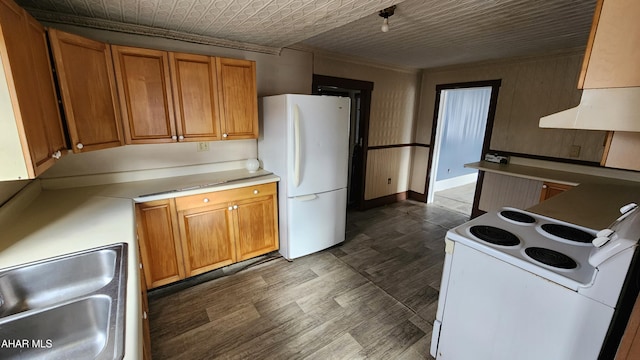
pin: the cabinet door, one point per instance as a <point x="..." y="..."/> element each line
<point x="36" y="126"/>
<point x="238" y="98"/>
<point x="144" y="303"/>
<point x="143" y="80"/>
<point x="257" y="223"/>
<point x="612" y="55"/>
<point x="621" y="150"/>
<point x="207" y="238"/>
<point x="629" y="348"/>
<point x="159" y="246"/>
<point x="195" y="97"/>
<point x="550" y="190"/>
<point x="87" y="84"/>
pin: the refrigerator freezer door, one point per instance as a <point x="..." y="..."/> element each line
<point x="316" y="222"/>
<point x="318" y="144"/>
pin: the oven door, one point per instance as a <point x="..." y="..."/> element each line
<point x="496" y="311"/>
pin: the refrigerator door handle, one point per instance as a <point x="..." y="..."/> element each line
<point x="296" y="132"/>
<point x="306" y="197"/>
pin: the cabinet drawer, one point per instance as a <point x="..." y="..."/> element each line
<point x="216" y="197"/>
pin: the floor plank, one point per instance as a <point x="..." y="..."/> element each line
<point x="372" y="297"/>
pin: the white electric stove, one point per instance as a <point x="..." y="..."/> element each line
<point x="518" y="285"/>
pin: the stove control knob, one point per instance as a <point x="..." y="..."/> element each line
<point x="604" y="233"/>
<point x="600" y="241"/>
<point x="628" y="207"/>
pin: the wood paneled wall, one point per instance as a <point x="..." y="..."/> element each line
<point x="531" y="88"/>
<point x="393" y="110"/>
<point x="385" y="164"/>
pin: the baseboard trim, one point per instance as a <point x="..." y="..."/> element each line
<point x="417" y="196"/>
<point x="384" y="200"/>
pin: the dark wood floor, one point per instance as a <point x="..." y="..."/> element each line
<point x="373" y="297"/>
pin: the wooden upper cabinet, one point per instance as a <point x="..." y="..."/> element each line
<point x="30" y="126"/>
<point x="238" y="98"/>
<point x="87" y="84"/>
<point x="621" y="150"/>
<point x="613" y="51"/>
<point x="144" y="87"/>
<point x="195" y="96"/>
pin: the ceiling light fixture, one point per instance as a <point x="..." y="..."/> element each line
<point x="385" y="13"/>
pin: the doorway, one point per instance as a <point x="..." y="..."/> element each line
<point x="360" y="94"/>
<point x="463" y="119"/>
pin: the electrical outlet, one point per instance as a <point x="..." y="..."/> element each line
<point x="389" y="181"/>
<point x="575" y="151"/>
<point x="203" y="146"/>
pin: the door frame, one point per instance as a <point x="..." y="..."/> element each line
<point x="365" y="87"/>
<point x="493" y="102"/>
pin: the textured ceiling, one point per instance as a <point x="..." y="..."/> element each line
<point x="424" y="33"/>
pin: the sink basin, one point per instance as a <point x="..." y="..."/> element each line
<point x="68" y="307"/>
<point x="76" y="330"/>
<point x="41" y="284"/>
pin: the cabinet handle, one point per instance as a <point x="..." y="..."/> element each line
<point x="230" y="208"/>
<point x="225" y="135"/>
<point x="235" y="207"/>
<point x="56" y="155"/>
<point x="174" y="137"/>
<point x="144" y="315"/>
<point x="79" y="146"/>
<point x="206" y="200"/>
<point x="140" y="265"/>
<point x="255" y="192"/>
<point x="180" y="137"/>
<point x="544" y="186"/>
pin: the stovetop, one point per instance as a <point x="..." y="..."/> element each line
<point x="562" y="261"/>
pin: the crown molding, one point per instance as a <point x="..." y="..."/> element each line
<point x="53" y="17"/>
<point x="352" y="59"/>
<point x="510" y="60"/>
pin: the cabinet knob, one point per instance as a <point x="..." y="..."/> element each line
<point x="56" y="155"/>
<point x="255" y="192"/>
<point x="225" y="135"/>
<point x="230" y="208"/>
<point x="174" y="137"/>
<point x="180" y="137"/>
<point x="544" y="186"/>
<point x="79" y="146"/>
<point x="205" y="200"/>
<point x="140" y="265"/>
<point x="235" y="207"/>
<point x="144" y="315"/>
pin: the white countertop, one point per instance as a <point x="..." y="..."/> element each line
<point x="594" y="202"/>
<point x="50" y="223"/>
<point x="62" y="222"/>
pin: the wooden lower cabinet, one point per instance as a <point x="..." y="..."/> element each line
<point x="157" y="233"/>
<point x="630" y="344"/>
<point x="146" y="334"/>
<point x="257" y="227"/>
<point x="206" y="234"/>
<point x="190" y="235"/>
<point x="550" y="189"/>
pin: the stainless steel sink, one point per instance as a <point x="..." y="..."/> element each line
<point x="69" y="307"/>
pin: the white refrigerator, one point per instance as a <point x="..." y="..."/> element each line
<point x="305" y="141"/>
